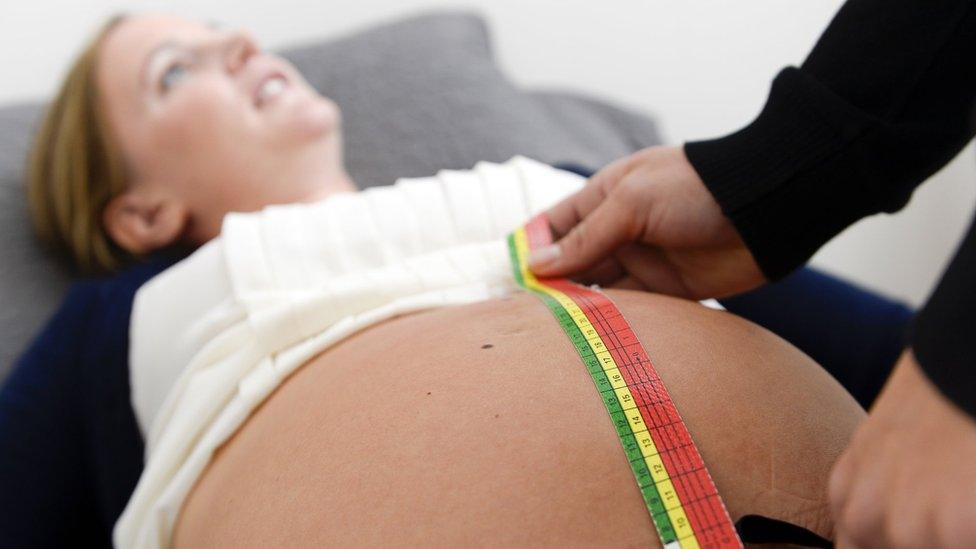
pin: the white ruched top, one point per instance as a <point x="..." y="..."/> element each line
<point x="212" y="336"/>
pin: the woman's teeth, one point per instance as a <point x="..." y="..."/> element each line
<point x="271" y="88"/>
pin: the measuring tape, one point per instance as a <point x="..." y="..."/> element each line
<point x="680" y="495"/>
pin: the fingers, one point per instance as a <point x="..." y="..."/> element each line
<point x="637" y="267"/>
<point x="853" y="490"/>
<point x="843" y="542"/>
<point x="652" y="267"/>
<point x="628" y="283"/>
<point x="571" y="210"/>
<point x="863" y="518"/>
<point x="580" y="217"/>
<point x="839" y="483"/>
<point x="604" y="273"/>
<point x="602" y="232"/>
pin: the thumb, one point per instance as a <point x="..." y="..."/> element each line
<point x="608" y="227"/>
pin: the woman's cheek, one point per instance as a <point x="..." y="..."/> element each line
<point x="199" y="118"/>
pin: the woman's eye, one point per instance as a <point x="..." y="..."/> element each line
<point x="172" y="75"/>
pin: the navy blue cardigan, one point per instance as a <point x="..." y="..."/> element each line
<point x="72" y="450"/>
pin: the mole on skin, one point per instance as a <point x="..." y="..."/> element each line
<point x="487" y="346"/>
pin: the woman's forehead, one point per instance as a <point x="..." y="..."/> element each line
<point x="127" y="47"/>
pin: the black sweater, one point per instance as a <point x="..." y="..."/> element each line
<point x="882" y="102"/>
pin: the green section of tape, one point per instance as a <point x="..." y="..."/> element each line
<point x="645" y="482"/>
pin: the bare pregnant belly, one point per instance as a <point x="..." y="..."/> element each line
<point x="479" y="425"/>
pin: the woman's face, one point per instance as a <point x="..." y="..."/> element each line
<point x="206" y="119"/>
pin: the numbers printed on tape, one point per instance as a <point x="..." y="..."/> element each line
<point x="679" y="494"/>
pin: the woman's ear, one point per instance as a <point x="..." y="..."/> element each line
<point x="142" y="222"/>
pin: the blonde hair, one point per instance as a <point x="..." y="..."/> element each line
<point x="75" y="168"/>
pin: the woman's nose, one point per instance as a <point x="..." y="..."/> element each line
<point x="238" y="47"/>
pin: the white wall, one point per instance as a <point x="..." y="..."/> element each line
<point x="702" y="67"/>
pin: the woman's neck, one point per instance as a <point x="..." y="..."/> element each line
<point x="329" y="184"/>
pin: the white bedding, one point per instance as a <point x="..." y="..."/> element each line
<point x="215" y="334"/>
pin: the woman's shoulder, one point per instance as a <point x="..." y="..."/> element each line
<point x="92" y="311"/>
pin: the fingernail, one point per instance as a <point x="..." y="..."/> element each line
<point x="544" y="255"/>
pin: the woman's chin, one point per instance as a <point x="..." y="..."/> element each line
<point x="306" y="117"/>
<point x="321" y="117"/>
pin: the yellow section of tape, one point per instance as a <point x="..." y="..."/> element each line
<point x="625" y="398"/>
<point x="690" y="542"/>
<point x="681" y="526"/>
<point x="656" y="466"/>
<point x="685" y="534"/>
<point x="646" y="444"/>
<point x="668" y="495"/>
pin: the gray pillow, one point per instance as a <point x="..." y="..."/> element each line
<point x="417" y="96"/>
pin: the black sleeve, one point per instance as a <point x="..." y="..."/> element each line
<point x="882" y="102"/>
<point x="46" y="499"/>
<point x="944" y="332"/>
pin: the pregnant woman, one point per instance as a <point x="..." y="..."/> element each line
<point x="470" y="424"/>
